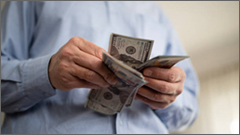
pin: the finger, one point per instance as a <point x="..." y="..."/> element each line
<point x="95" y="64"/>
<point x="155" y="96"/>
<point x="68" y="82"/>
<point x="163" y="86"/>
<point x="87" y="46"/>
<point x="174" y="74"/>
<point x="89" y="76"/>
<point x="152" y="104"/>
<point x="80" y="83"/>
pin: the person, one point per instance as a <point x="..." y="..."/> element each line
<point x="51" y="58"/>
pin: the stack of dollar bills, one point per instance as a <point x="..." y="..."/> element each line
<point x="128" y="57"/>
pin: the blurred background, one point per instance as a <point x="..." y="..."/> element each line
<point x="209" y="32"/>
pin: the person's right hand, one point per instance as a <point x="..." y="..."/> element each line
<point x="78" y="64"/>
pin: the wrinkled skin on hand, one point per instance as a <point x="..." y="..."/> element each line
<point x="78" y="64"/>
<point x="163" y="86"/>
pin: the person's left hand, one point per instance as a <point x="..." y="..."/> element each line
<point x="163" y="86"/>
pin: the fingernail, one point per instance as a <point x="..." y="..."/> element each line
<point x="147" y="72"/>
<point x="114" y="80"/>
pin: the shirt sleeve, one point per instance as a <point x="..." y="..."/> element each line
<point x="183" y="111"/>
<point x="24" y="81"/>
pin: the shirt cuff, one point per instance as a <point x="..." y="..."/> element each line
<point x="36" y="83"/>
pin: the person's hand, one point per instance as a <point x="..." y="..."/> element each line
<point x="78" y="64"/>
<point x="163" y="86"/>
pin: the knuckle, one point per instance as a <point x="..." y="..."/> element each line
<point x="156" y="97"/>
<point x="66" y="52"/>
<point x="75" y="40"/>
<point x="64" y="80"/>
<point x="89" y="75"/>
<point x="66" y="83"/>
<point x="63" y="66"/>
<point x="98" y="52"/>
<point x="172" y="77"/>
<point x="165" y="87"/>
<point x="181" y="72"/>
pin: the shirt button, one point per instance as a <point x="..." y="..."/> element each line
<point x="120" y="123"/>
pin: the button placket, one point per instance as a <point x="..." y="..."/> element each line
<point x="119" y="124"/>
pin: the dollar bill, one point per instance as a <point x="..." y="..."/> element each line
<point x="132" y="51"/>
<point x="162" y="62"/>
<point x="128" y="57"/>
<point x="116" y="96"/>
<point x="99" y="107"/>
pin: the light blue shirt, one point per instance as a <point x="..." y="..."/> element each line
<point x="31" y="32"/>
